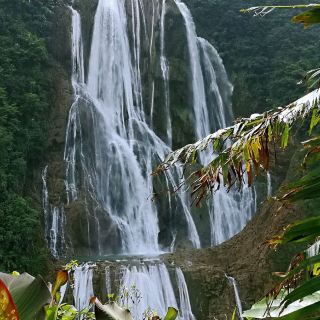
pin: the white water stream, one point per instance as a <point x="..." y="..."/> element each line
<point x="233" y="282"/>
<point x="228" y="212"/>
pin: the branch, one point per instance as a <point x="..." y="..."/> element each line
<point x="242" y="148"/>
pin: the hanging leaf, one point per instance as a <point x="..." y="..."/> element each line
<point x="61" y="279"/>
<point x="285" y="136"/>
<point x="308" y="18"/>
<point x="172" y="314"/>
<point x="314" y="120"/>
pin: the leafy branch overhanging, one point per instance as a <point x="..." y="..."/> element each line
<point x="240" y="151"/>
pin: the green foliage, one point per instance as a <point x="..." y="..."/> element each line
<point x="24" y="88"/>
<point x="172" y="314"/>
<point x="265" y="57"/>
<point x="21" y="244"/>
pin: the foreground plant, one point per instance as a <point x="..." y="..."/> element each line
<point x="23" y="297"/>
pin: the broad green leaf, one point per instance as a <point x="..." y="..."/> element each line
<point x="285" y="136"/>
<point x="305" y="264"/>
<point x="306" y="289"/>
<point x="25" y="289"/>
<point x="306" y="188"/>
<point x="172" y="314"/>
<point x="302" y="231"/>
<point x="30" y="301"/>
<point x="303" y="313"/>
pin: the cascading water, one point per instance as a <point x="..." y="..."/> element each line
<point x="185" y="306"/>
<point x="154" y="289"/>
<point x="123" y="149"/>
<point x="165" y="72"/>
<point x="149" y="287"/>
<point x="228" y="212"/>
<point x="233" y="282"/>
<point x="83" y="287"/>
<point x="54" y="220"/>
<point x="269" y="184"/>
<point x="112" y="146"/>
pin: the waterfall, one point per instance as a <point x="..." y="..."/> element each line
<point x="77" y="80"/>
<point x="269" y="184"/>
<point x="200" y="110"/>
<point x="233" y="282"/>
<point x="54" y="220"/>
<point x="83" y="287"/>
<point x="148" y="287"/>
<point x="112" y="145"/>
<point x="122" y="148"/>
<point x="165" y="72"/>
<point x="185" y="306"/>
<point x="228" y="212"/>
<point x="218" y="88"/>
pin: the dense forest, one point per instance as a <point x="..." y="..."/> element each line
<point x="266" y="57"/>
<point x="24" y="94"/>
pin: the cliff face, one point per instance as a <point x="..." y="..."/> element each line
<point x="245" y="257"/>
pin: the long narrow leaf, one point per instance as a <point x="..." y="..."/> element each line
<point x="306" y="289"/>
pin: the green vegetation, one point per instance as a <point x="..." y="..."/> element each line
<point x="24" y="89"/>
<point x="265" y="57"/>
